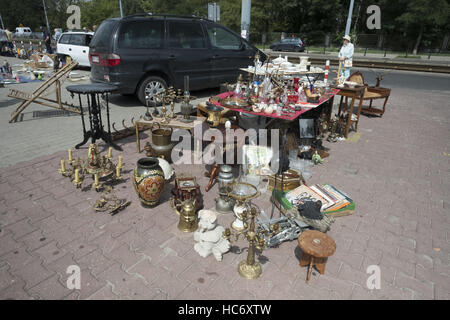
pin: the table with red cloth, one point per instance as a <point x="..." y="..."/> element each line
<point x="305" y="106"/>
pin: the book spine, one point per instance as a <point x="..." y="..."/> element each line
<point x="342" y="193"/>
<point x="321" y="188"/>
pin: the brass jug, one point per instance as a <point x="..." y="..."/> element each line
<point x="214" y="115"/>
<point x="188" y="217"/>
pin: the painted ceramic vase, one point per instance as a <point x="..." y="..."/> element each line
<point x="148" y="181"/>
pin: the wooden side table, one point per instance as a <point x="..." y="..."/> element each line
<point x="316" y="247"/>
<point x="352" y="93"/>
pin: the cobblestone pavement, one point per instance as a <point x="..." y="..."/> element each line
<point x="396" y="168"/>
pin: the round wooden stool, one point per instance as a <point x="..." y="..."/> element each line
<point x="316" y="247"/>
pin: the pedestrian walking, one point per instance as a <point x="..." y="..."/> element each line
<point x="47" y="40"/>
<point x="346" y="56"/>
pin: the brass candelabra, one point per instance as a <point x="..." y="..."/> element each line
<point x="99" y="167"/>
<point x="249" y="268"/>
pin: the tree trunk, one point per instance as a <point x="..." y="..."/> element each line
<point x="419" y="38"/>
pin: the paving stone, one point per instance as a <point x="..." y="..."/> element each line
<point x="89" y="285"/>
<point x="8" y="244"/>
<point x="426" y="288"/>
<point x="174" y="264"/>
<point x="199" y="277"/>
<point x="21" y="228"/>
<point x="144" y="270"/>
<point x="96" y="262"/>
<point x="50" y="289"/>
<point x="10" y="216"/>
<point x="18" y="258"/>
<point x="48" y="224"/>
<point x="64" y="236"/>
<point x="179" y="246"/>
<point x="61" y="265"/>
<point x="79" y="248"/>
<point x="6" y="278"/>
<point x="192" y="293"/>
<point x="391" y="261"/>
<point x="120" y="280"/>
<point x="168" y="284"/>
<point x="125" y="256"/>
<point x="33" y="273"/>
<point x="104" y="293"/>
<point x="15" y="292"/>
<point x="50" y="252"/>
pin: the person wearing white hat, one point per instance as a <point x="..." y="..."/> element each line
<point x="346" y="56"/>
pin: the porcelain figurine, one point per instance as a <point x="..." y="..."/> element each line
<point x="269" y="109"/>
<point x="209" y="236"/>
<point x="256" y="108"/>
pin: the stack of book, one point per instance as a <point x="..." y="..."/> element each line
<point x="335" y="202"/>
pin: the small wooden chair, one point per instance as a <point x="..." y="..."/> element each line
<point x="371" y="93"/>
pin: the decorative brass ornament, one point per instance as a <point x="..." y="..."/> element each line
<point x="109" y="202"/>
<point x="99" y="167"/>
<point x="249" y="268"/>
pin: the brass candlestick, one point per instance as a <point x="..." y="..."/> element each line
<point x="248" y="268"/>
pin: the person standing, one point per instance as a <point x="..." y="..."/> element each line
<point x="57" y="35"/>
<point x="94" y="28"/>
<point x="346" y="56"/>
<point x="47" y="40"/>
<point x="9" y="40"/>
<point x="3" y="40"/>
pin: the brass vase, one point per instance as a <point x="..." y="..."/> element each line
<point x="148" y="181"/>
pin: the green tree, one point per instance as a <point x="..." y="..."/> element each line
<point x="423" y="15"/>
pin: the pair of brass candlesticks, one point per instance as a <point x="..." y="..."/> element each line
<point x="250" y="268"/>
<point x="99" y="167"/>
<point x="169" y="96"/>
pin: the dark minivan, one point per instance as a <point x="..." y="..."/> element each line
<point x="143" y="54"/>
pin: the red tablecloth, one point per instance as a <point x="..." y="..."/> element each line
<point x="306" y="106"/>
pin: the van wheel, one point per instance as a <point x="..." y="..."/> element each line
<point x="151" y="86"/>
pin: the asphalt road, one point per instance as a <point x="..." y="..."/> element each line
<point x="36" y="135"/>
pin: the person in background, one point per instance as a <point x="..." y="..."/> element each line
<point x="57" y="35"/>
<point x="346" y="56"/>
<point x="9" y="39"/>
<point x="3" y="40"/>
<point x="94" y="27"/>
<point x="47" y="39"/>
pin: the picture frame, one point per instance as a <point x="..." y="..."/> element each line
<point x="307" y="128"/>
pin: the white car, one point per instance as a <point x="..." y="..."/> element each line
<point x="76" y="46"/>
<point x="23" y="32"/>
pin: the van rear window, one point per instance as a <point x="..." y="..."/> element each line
<point x="103" y="35"/>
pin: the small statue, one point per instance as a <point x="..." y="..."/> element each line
<point x="209" y="236"/>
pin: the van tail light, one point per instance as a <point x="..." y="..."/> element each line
<point x="103" y="59"/>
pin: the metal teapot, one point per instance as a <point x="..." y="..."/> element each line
<point x="188" y="218"/>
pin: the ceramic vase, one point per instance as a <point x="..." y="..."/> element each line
<point x="148" y="181"/>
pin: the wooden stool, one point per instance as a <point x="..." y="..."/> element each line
<point x="316" y="247"/>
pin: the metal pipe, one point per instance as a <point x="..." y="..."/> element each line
<point x="121" y="11"/>
<point x="46" y="18"/>
<point x="349" y="18"/>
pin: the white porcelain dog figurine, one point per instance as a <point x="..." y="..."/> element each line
<point x="209" y="236"/>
